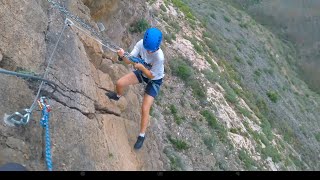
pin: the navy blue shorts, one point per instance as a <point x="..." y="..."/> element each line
<point x="153" y="86"/>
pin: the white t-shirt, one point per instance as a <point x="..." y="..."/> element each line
<point x="156" y="59"/>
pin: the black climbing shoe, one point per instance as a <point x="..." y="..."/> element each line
<point x="112" y="95"/>
<point x="139" y="142"/>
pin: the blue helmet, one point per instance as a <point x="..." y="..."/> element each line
<point x="152" y="39"/>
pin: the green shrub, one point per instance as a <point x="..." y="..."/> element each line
<point x="165" y="18"/>
<point x="163" y="8"/>
<point x="238" y="46"/>
<point x="231" y="96"/>
<point x="238" y="59"/>
<point x="212" y="46"/>
<point x="266" y="129"/>
<point x="213" y="15"/>
<point x="194" y="106"/>
<point x="166" y="2"/>
<point x="182" y="70"/>
<point x="198" y="48"/>
<point x="230" y="71"/>
<point x="151" y="111"/>
<point x="287" y="131"/>
<point x="174" y="112"/>
<point x="211" y="76"/>
<point x="263" y="139"/>
<point x="184" y="8"/>
<point x="244" y="25"/>
<point x="210" y="118"/>
<point x="255" y="135"/>
<point x="175" y="25"/>
<point x="151" y="1"/>
<point x="246" y="159"/>
<point x="244" y="111"/>
<point x="178" y="119"/>
<point x="234" y="130"/>
<point x="176" y="163"/>
<point x="207" y="34"/>
<point x="169" y="37"/>
<point x="196" y="45"/>
<point x="317" y="136"/>
<point x="226" y="18"/>
<point x="205" y="21"/>
<point x="214" y="124"/>
<point x="296" y="161"/>
<point x="270" y="151"/>
<point x="173" y="109"/>
<point x="210" y="142"/>
<point x="257" y="73"/>
<point x="178" y="144"/>
<point x="197" y="88"/>
<point x="262" y="106"/>
<point x="139" y="26"/>
<point x="273" y="96"/>
<point x="269" y="71"/>
<point x="214" y="67"/>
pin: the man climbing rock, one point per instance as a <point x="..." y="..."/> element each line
<point x="149" y="50"/>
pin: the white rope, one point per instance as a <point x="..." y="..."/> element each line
<point x="96" y="39"/>
<point x="46" y="71"/>
<point x="144" y="84"/>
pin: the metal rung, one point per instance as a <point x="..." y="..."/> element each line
<point x="20" y="118"/>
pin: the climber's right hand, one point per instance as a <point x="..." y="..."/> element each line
<point x="120" y="52"/>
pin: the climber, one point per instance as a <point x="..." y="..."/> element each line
<point x="149" y="50"/>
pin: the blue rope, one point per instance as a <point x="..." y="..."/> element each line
<point x="45" y="123"/>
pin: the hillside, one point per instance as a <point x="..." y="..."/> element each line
<point x="295" y="22"/>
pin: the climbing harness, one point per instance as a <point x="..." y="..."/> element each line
<point x="44" y="122"/>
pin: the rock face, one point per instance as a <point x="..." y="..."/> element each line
<point x="86" y="130"/>
<point x="101" y="8"/>
<point x="90" y="132"/>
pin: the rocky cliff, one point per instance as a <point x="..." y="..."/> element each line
<point x="87" y="130"/>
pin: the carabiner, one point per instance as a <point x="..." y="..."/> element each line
<point x="18" y="118"/>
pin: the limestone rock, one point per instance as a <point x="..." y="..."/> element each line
<point x="105" y="81"/>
